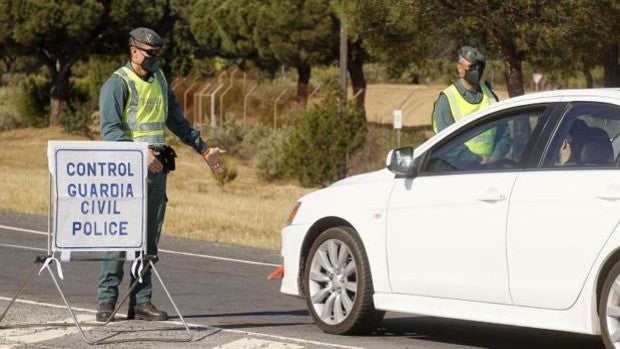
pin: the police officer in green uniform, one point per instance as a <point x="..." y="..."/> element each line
<point x="135" y="105"/>
<point x="466" y="96"/>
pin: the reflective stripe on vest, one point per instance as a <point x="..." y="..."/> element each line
<point x="146" y="109"/>
<point x="460" y="108"/>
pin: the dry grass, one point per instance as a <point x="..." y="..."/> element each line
<point x="416" y="102"/>
<point x="247" y="211"/>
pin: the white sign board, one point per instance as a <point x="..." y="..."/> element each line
<point x="99" y="195"/>
<point x="397" y="114"/>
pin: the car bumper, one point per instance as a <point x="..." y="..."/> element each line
<point x="292" y="240"/>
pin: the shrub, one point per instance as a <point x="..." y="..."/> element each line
<point x="77" y="114"/>
<point x="320" y="140"/>
<point x="32" y="101"/>
<point x="229" y="136"/>
<point x="9" y="118"/>
<point x="77" y="118"/>
<point x="250" y="146"/>
<point x="91" y="75"/>
<point x="269" y="159"/>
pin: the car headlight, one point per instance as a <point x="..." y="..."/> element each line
<point x="293" y="213"/>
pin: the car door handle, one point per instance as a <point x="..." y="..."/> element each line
<point x="609" y="197"/>
<point x="491" y="195"/>
<point x="611" y="193"/>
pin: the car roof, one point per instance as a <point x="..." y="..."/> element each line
<point x="571" y="94"/>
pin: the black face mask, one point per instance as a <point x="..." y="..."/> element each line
<point x="150" y="64"/>
<point x="473" y="76"/>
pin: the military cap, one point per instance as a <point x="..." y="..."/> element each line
<point x="146" y="36"/>
<point x="472" y="55"/>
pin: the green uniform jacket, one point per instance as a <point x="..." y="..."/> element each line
<point x="112" y="100"/>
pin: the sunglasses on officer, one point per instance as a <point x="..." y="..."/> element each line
<point x="149" y="52"/>
<point x="152" y="52"/>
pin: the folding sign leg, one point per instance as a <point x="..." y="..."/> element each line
<point x="104" y="340"/>
<point x="189" y="333"/>
<point x="151" y="265"/>
<point x="19" y="290"/>
<point x="75" y="320"/>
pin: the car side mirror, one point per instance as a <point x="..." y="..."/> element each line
<point x="401" y="162"/>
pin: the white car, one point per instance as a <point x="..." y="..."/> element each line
<point x="525" y="235"/>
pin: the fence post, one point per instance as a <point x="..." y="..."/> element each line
<point x="316" y="89"/>
<point x="358" y="93"/>
<point x="232" y="75"/>
<point x="200" y="95"/>
<point x="176" y="83"/>
<point x="213" y="121"/>
<point x="185" y="95"/>
<point x="245" y="102"/>
<point x="275" y="108"/>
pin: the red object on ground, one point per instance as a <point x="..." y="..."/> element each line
<point x="277" y="273"/>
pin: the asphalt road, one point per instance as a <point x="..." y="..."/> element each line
<point x="223" y="292"/>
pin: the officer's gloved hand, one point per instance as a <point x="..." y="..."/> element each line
<point x="212" y="158"/>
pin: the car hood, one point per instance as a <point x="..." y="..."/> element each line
<point x="370" y="177"/>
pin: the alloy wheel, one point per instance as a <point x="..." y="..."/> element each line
<point x="333" y="281"/>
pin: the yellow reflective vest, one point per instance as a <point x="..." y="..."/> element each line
<point x="460" y="108"/>
<point x="146" y="109"/>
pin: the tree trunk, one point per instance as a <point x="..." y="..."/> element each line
<point x="355" y="65"/>
<point x="59" y="93"/>
<point x="611" y="77"/>
<point x="588" y="76"/>
<point x="303" y="78"/>
<point x="514" y="76"/>
<point x="59" y="98"/>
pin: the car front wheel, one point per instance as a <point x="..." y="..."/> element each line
<point x="338" y="283"/>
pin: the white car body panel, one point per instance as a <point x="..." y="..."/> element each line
<point x="575" y="319"/>
<point x="361" y="201"/>
<point x="558" y="224"/>
<point x="292" y="239"/>
<point x="448" y="236"/>
<point x="442" y="273"/>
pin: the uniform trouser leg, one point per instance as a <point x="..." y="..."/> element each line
<point x="110" y="276"/>
<point x="111" y="272"/>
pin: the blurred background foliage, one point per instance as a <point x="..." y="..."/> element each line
<point x="55" y="55"/>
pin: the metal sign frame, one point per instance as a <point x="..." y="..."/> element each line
<point x="147" y="261"/>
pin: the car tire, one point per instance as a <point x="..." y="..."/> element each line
<point x="609" y="308"/>
<point x="338" y="284"/>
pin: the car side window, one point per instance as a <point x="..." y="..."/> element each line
<point x="496" y="145"/>
<point x="588" y="136"/>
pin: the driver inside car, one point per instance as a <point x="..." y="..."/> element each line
<point x="491" y="145"/>
<point x="572" y="143"/>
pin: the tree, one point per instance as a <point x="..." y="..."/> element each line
<point x="181" y="49"/>
<point x="9" y="51"/>
<point x="226" y="29"/>
<point x="502" y="28"/>
<point x="268" y="34"/>
<point x="60" y="33"/>
<point x="298" y="33"/>
<point x="304" y="33"/>
<point x="577" y="37"/>
<point x="316" y="147"/>
<point x="384" y="31"/>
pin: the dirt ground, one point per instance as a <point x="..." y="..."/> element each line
<point x="415" y="101"/>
